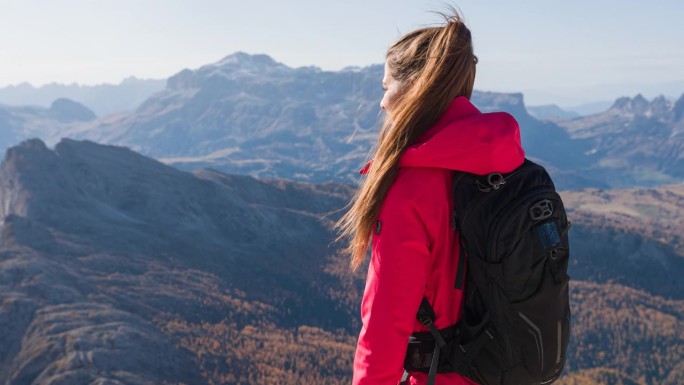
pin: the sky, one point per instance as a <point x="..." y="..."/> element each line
<point x="564" y="52"/>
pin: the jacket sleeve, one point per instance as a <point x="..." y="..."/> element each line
<point x="395" y="284"/>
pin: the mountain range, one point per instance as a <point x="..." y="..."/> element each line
<point x="103" y="99"/>
<point x="129" y="253"/>
<point x="551" y="112"/>
<point x="118" y="269"/>
<point x="249" y="114"/>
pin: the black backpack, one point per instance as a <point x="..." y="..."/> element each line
<point x="516" y="318"/>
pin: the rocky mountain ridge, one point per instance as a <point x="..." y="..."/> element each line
<point x="249" y="114"/>
<point x="18" y="123"/>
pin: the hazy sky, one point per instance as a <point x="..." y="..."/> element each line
<point x="569" y="51"/>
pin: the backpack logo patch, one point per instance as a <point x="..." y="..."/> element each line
<point x="548" y="234"/>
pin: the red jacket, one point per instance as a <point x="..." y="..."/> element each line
<point x="415" y="252"/>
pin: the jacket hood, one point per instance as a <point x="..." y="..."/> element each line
<point x="465" y="139"/>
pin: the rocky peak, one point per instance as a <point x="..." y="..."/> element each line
<point x="513" y="103"/>
<point x="660" y="105"/>
<point x="242" y="59"/>
<point x="25" y="150"/>
<point x="640" y="106"/>
<point x="13" y="194"/>
<point x="640" y="101"/>
<point x="237" y="65"/>
<point x="678" y="109"/>
<point x="181" y="80"/>
<point x="67" y="110"/>
<point x="622" y="102"/>
<point x="637" y="105"/>
<point x="241" y="64"/>
<point x="33" y="143"/>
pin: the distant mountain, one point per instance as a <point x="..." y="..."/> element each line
<point x="249" y="114"/>
<point x="644" y="138"/>
<point x="115" y="268"/>
<point x="551" y="112"/>
<point x="590" y="108"/>
<point x="66" y="110"/>
<point x="19" y="123"/>
<point x="104" y="99"/>
<point x="252" y="115"/>
<point x="545" y="142"/>
<point x="589" y="100"/>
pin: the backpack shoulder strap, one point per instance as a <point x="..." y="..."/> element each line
<point x="460" y="269"/>
<point x="426" y="316"/>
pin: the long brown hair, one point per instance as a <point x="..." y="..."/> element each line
<point x="435" y="65"/>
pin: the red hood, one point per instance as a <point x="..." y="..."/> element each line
<point x="465" y="139"/>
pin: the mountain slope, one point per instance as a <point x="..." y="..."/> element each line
<point x="117" y="268"/>
<point x="646" y="138"/>
<point x="109" y="246"/>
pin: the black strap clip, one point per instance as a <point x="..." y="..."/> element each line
<point x="493" y="181"/>
<point x="426" y="316"/>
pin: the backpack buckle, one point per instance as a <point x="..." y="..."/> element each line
<point x="493" y="182"/>
<point x="541" y="210"/>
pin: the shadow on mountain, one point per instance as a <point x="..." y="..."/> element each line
<point x="118" y="269"/>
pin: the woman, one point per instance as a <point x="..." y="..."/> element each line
<point x="403" y="206"/>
